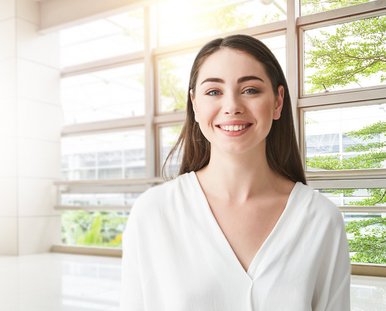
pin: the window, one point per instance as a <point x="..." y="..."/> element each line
<point x="113" y="155"/>
<point x="173" y="79"/>
<point x="346" y="138"/>
<point x="85" y="43"/>
<point x="124" y="106"/>
<point x="342" y="112"/>
<point x="168" y="136"/>
<point x="104" y="94"/>
<point x="345" y="56"/>
<point x="365" y="219"/>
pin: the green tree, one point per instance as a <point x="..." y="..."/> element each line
<point x="93" y="228"/>
<point x="368" y="240"/>
<point x="351" y="53"/>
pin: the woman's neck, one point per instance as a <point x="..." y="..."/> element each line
<point x="238" y="177"/>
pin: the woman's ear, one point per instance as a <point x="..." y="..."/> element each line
<point x="193" y="100"/>
<point x="278" y="103"/>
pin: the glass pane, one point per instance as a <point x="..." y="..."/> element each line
<point x="366" y="232"/>
<point x="346" y="138"/>
<point x="366" y="235"/>
<point x="93" y="228"/>
<point x="316" y="6"/>
<point x="122" y="34"/>
<point x="345" y="56"/>
<point x="104" y="95"/>
<point x="204" y="18"/>
<point x="277" y="45"/>
<point x="104" y="156"/>
<point x="356" y="197"/>
<point x="173" y="81"/>
<point x="168" y="136"/>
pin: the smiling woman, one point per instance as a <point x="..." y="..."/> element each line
<point x="238" y="229"/>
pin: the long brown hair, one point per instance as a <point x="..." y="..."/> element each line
<point x="281" y="146"/>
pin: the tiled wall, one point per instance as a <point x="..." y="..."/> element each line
<point x="30" y="123"/>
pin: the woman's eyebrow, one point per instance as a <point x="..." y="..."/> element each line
<point x="248" y="78"/>
<point x="213" y="80"/>
<point x="240" y="80"/>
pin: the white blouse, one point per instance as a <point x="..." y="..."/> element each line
<point x="176" y="257"/>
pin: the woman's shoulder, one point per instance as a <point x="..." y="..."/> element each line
<point x="158" y="196"/>
<point x="320" y="206"/>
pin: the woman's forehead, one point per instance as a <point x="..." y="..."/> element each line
<point x="228" y="62"/>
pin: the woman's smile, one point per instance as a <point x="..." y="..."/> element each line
<point x="236" y="128"/>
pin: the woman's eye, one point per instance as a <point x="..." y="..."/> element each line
<point x="213" y="93"/>
<point x="251" y="91"/>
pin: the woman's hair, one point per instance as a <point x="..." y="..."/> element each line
<point x="281" y="146"/>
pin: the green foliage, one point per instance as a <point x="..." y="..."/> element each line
<point x="368" y="242"/>
<point x="355" y="51"/>
<point x="371" y="131"/>
<point x="93" y="235"/>
<point x="377" y="197"/>
<point x="335" y="162"/>
<point x="93" y="228"/>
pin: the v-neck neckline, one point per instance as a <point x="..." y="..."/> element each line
<point x="251" y="271"/>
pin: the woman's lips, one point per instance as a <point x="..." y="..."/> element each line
<point x="234" y="127"/>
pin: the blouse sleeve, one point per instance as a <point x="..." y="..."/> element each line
<point x="333" y="292"/>
<point x="131" y="298"/>
<point x="341" y="277"/>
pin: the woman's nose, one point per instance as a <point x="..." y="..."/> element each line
<point x="233" y="105"/>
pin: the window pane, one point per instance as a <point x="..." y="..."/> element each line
<point x="316" y="6"/>
<point x="345" y="56"/>
<point x="93" y="228"/>
<point x="104" y="156"/>
<point x="366" y="232"/>
<point x="346" y="138"/>
<point x="173" y="81"/>
<point x="104" y="95"/>
<point x="369" y="197"/>
<point x="122" y="34"/>
<point x="168" y="136"/>
<point x="277" y="45"/>
<point x="204" y="18"/>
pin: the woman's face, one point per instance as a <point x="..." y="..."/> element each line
<point x="234" y="102"/>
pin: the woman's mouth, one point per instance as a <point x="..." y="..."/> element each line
<point x="233" y="128"/>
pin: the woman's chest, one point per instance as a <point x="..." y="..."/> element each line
<point x="246" y="227"/>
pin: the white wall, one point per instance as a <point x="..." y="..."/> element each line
<point x="30" y="124"/>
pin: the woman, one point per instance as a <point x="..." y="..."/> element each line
<point x="238" y="229"/>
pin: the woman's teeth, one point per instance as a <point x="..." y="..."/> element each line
<point x="233" y="128"/>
